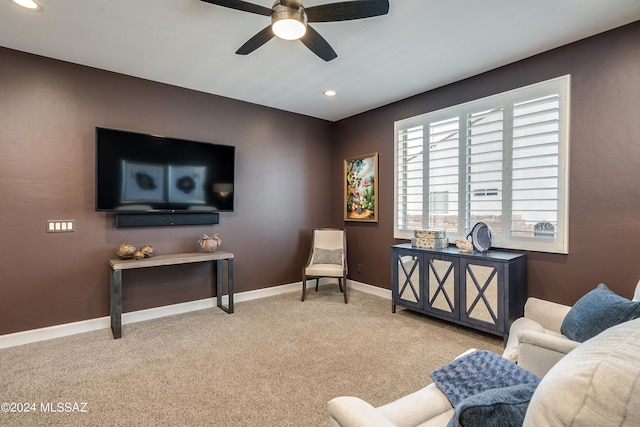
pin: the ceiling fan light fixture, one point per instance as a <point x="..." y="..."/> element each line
<point x="288" y="23"/>
<point x="28" y="4"/>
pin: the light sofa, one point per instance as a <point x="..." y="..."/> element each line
<point x="596" y="384"/>
<point x="584" y="384"/>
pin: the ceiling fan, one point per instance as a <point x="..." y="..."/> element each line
<point x="289" y="20"/>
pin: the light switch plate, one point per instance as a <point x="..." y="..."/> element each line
<point x="61" y="225"/>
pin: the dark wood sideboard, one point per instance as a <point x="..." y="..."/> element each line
<point x="481" y="290"/>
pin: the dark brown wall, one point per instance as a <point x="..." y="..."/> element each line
<point x="48" y="114"/>
<point x="604" y="211"/>
<point x="49" y="109"/>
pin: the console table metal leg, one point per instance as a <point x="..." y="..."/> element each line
<point x="230" y="283"/>
<point x="115" y="298"/>
<point x="219" y="274"/>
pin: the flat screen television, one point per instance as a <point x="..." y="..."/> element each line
<point x="141" y="173"/>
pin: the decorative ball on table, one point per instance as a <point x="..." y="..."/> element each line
<point x="209" y="244"/>
<point x="147" y="251"/>
<point x="126" y="251"/>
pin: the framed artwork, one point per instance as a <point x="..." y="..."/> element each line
<point x="142" y="182"/>
<point x="186" y="184"/>
<point x="361" y="188"/>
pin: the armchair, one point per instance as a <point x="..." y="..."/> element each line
<point x="536" y="340"/>
<point x="427" y="405"/>
<point x="539" y="332"/>
<point x="328" y="258"/>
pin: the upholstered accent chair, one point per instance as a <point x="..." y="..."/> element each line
<point x="327" y="258"/>
<point x="546" y="337"/>
<point x="538" y="331"/>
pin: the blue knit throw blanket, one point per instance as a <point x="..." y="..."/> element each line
<point x="476" y="372"/>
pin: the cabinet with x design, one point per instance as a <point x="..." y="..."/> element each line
<point x="481" y="290"/>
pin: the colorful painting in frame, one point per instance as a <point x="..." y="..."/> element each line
<point x="361" y="188"/>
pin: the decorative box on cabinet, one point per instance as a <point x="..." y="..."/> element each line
<point x="485" y="291"/>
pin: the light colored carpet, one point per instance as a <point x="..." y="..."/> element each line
<point x="275" y="361"/>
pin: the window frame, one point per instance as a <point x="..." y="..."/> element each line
<point x="557" y="243"/>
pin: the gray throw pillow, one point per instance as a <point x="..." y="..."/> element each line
<point x="327" y="256"/>
<point x="500" y="407"/>
<point x="598" y="310"/>
<point x="476" y="372"/>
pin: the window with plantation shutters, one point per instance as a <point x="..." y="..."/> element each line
<point x="502" y="160"/>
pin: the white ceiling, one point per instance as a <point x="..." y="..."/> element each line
<point x="418" y="46"/>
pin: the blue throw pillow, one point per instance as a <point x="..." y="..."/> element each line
<point x="598" y="310"/>
<point x="500" y="407"/>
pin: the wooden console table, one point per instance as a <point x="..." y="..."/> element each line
<point x="117" y="265"/>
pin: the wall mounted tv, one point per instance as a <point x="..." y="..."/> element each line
<point x="138" y="173"/>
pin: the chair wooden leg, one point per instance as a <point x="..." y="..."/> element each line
<point x="304" y="286"/>
<point x="345" y="289"/>
<point x="340" y="282"/>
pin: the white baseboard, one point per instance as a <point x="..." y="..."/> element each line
<point x="370" y="289"/>
<point x="58" y="331"/>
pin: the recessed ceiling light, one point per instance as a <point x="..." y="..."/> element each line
<point x="29" y="4"/>
<point x="330" y="92"/>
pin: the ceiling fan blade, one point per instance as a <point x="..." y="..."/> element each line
<point x="318" y="45"/>
<point x="242" y="6"/>
<point x="256" y="41"/>
<point x="347" y="10"/>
